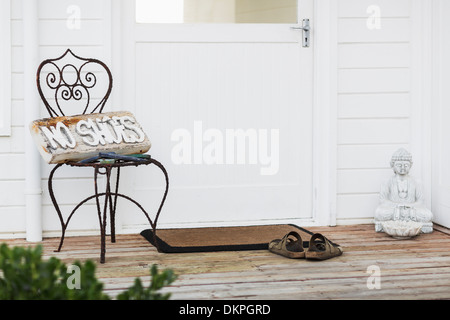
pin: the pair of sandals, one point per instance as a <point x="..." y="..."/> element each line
<point x="291" y="246"/>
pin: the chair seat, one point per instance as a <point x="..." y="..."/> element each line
<point x="110" y="165"/>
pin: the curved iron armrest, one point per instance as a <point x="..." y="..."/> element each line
<point x="110" y="197"/>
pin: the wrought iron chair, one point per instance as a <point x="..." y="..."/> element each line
<point x="70" y="83"/>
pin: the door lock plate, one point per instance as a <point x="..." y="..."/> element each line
<point x="306" y="27"/>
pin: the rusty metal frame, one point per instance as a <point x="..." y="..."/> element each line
<point x="64" y="89"/>
<point x="110" y="197"/>
<point x="74" y="90"/>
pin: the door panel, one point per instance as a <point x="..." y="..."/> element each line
<point x="228" y="108"/>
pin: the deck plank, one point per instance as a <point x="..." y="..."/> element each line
<point x="418" y="268"/>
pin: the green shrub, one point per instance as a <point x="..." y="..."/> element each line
<point x="24" y="275"/>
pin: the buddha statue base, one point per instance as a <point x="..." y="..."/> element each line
<point x="427" y="227"/>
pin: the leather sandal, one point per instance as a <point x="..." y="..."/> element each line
<point x="291" y="246"/>
<point x="320" y="248"/>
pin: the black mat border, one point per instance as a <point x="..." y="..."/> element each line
<point x="166" y="248"/>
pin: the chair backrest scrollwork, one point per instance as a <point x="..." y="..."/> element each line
<point x="73" y="84"/>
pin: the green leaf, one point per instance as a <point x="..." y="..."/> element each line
<point x="24" y="275"/>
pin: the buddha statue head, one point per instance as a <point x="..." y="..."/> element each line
<point x="401" y="162"/>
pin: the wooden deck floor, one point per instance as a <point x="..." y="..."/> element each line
<point x="418" y="268"/>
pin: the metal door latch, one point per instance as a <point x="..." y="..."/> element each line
<point x="306" y="32"/>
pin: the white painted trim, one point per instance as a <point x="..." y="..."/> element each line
<point x="116" y="54"/>
<point x="421" y="91"/>
<point x="129" y="229"/>
<point x="344" y="222"/>
<point x="427" y="85"/>
<point x="437" y="33"/>
<point x="436" y="84"/>
<point x="117" y="101"/>
<point x="324" y="36"/>
<point x="33" y="189"/>
<point x="5" y="68"/>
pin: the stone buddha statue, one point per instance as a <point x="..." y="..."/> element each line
<point x="401" y="197"/>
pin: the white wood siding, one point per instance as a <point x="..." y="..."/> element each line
<point x="374" y="105"/>
<point x="5" y="68"/>
<point x="374" y="101"/>
<point x="90" y="36"/>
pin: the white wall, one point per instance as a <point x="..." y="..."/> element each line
<point x="374" y="100"/>
<point x="5" y="68"/>
<point x="86" y="28"/>
<point x="375" y="104"/>
<point x="440" y="113"/>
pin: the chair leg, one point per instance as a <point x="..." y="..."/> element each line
<point x="102" y="213"/>
<point x="56" y="206"/>
<point x="112" y="208"/>
<point x="163" y="200"/>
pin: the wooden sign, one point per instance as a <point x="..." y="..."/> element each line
<point x="63" y="139"/>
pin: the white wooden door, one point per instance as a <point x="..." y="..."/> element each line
<point x="441" y="118"/>
<point x="228" y="108"/>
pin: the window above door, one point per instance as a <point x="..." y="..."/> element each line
<point x="216" y="11"/>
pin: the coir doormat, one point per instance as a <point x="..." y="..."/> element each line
<point x="221" y="238"/>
